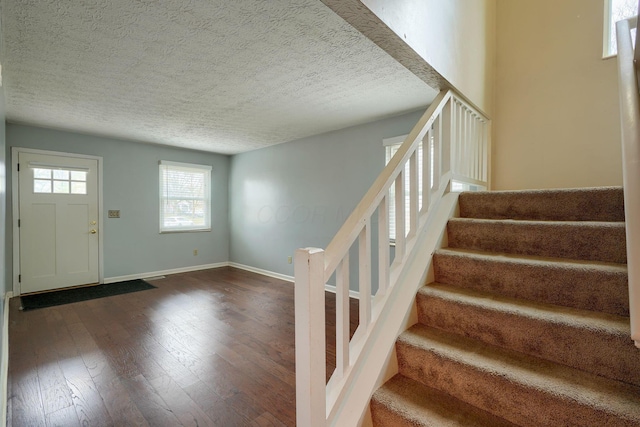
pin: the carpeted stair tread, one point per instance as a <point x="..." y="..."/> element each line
<point x="559" y="239"/>
<point x="527" y="319"/>
<point x="403" y="402"/>
<point x="522" y="389"/>
<point x="589" y="285"/>
<point x="578" y="204"/>
<point x="587" y="340"/>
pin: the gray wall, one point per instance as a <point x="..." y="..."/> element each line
<point x="132" y="244"/>
<point x="299" y="193"/>
<point x="265" y="203"/>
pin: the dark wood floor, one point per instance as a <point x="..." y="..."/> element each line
<point x="208" y="348"/>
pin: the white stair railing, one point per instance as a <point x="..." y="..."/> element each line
<point x="628" y="83"/>
<point x="455" y="142"/>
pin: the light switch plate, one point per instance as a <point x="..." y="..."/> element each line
<point x="114" y="214"/>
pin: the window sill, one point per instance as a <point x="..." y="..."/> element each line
<point x="199" y="230"/>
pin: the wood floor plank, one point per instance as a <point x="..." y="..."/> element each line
<point x="65" y="417"/>
<point x="266" y="420"/>
<point x="56" y="394"/>
<point x="118" y="401"/>
<point x="151" y="405"/>
<point x="214" y="406"/>
<point x="207" y="348"/>
<point x="26" y="402"/>
<point x="87" y="401"/>
<point x="179" y="402"/>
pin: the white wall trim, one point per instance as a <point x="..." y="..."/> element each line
<point x="286" y="278"/>
<point x="332" y="289"/>
<point x="263" y="272"/>
<point x="328" y="288"/>
<point x="116" y="279"/>
<point x="15" y="208"/>
<point x="4" y="363"/>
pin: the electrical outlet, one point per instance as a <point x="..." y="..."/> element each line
<point x="114" y="213"/>
<point x="195" y="252"/>
<point x="289" y="260"/>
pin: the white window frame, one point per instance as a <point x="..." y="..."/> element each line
<point x="205" y="170"/>
<point x="609" y="30"/>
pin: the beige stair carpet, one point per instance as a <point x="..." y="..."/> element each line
<point x="526" y="323"/>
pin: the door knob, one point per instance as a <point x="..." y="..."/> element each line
<point x="94" y="231"/>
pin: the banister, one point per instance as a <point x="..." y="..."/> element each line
<point x="351" y="228"/>
<point x="630" y="129"/>
<point x="449" y="121"/>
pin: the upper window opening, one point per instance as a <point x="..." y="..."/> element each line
<point x="616" y="10"/>
<point x="391" y="146"/>
<point x="185" y="197"/>
<point x="59" y="181"/>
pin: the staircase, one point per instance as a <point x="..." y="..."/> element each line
<point x="527" y="321"/>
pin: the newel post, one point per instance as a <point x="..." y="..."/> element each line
<point x="311" y="395"/>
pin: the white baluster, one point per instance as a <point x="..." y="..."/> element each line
<point x="413" y="194"/>
<point x="400" y="220"/>
<point x="383" y="245"/>
<point x="427" y="154"/>
<point x="342" y="317"/>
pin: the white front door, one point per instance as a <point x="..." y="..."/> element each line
<point x="58" y="221"/>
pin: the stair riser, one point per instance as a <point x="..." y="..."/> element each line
<point x="578" y="287"/>
<point x="602" y="204"/>
<point x="404" y="402"/>
<point x="603" y="352"/>
<point x="522" y="405"/>
<point x="384" y="417"/>
<point x="541" y="239"/>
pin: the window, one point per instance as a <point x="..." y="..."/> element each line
<point x="59" y="181"/>
<point x="185" y="197"/>
<point x="391" y="146"/>
<point x="616" y="10"/>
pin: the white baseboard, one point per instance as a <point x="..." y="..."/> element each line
<point x="263" y="272"/>
<point x="164" y="272"/>
<point x="4" y="361"/>
<point x="328" y="288"/>
<point x="332" y="289"/>
<point x="286" y="278"/>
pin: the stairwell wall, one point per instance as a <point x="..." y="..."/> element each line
<point x="556" y="121"/>
<point x="455" y="37"/>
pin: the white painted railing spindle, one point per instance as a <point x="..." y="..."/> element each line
<point x="383" y="245"/>
<point x="342" y="317"/>
<point x="426" y="170"/>
<point x="413" y="194"/>
<point x="364" y="258"/>
<point x="400" y="216"/>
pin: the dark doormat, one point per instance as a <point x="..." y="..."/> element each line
<point x="67" y="296"/>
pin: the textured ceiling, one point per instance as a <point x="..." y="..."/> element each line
<point x="214" y="75"/>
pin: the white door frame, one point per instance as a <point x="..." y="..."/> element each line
<point x="15" y="204"/>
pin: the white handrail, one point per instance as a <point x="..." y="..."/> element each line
<point x="630" y="124"/>
<point x="455" y="143"/>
